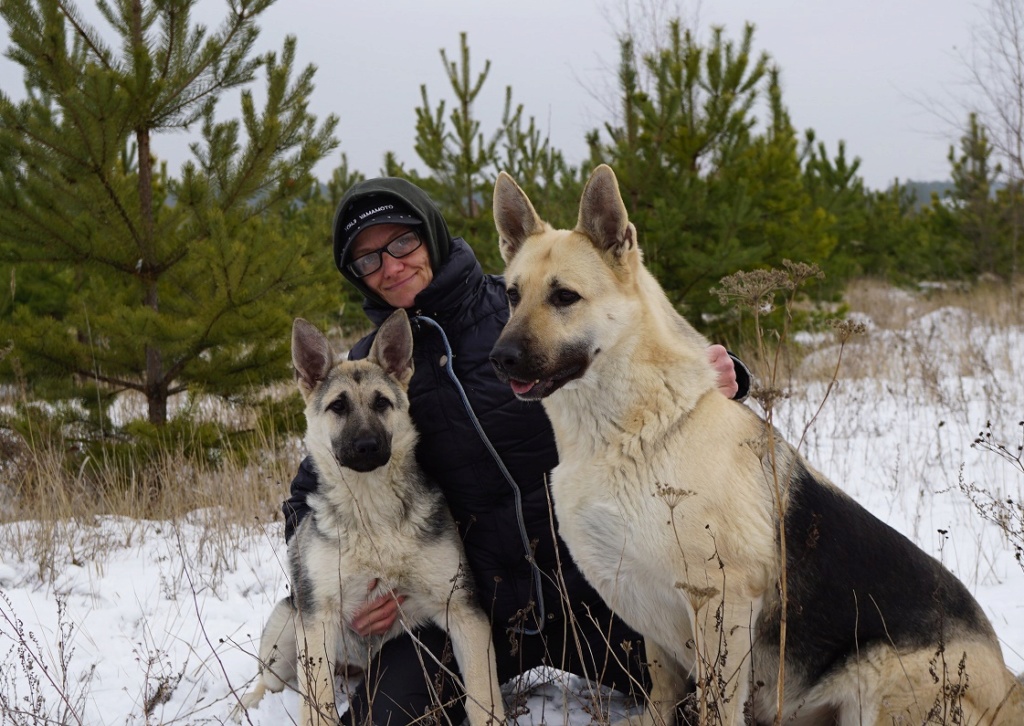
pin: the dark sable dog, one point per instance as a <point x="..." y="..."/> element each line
<point x="667" y="495"/>
<point x="375" y="517"/>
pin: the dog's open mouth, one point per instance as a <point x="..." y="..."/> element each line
<point x="542" y="387"/>
<point x="530" y="389"/>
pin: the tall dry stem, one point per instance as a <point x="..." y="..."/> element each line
<point x="758" y="291"/>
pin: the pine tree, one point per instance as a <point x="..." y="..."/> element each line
<point x="710" y="190"/>
<point x="543" y="173"/>
<point x="463" y="162"/>
<point x="790" y="222"/>
<point x="460" y="158"/>
<point x="895" y="242"/>
<point x="166" y="284"/>
<point x="969" y="221"/>
<point x="835" y="187"/>
<point x="979" y="217"/>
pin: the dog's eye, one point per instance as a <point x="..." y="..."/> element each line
<point x="382" y="403"/>
<point x="339" y="405"/>
<point x="564" y="298"/>
<point x="513" y="296"/>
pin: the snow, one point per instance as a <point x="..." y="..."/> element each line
<point x="158" y="622"/>
<point x="153" y="608"/>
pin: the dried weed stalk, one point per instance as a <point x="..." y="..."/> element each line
<point x="761" y="292"/>
<point x="1005" y="512"/>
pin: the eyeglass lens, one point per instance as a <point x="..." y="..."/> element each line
<point x="403" y="245"/>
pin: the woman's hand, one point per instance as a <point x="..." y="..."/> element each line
<point x="726" y="370"/>
<point x="378" y="615"/>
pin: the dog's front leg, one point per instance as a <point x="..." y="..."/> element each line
<point x="277" y="658"/>
<point x="474" y="651"/>
<point x="669" y="686"/>
<point x="317" y="642"/>
<point x="723" y="675"/>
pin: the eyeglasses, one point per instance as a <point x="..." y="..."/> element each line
<point x="401" y="246"/>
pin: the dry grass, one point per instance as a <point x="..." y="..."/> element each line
<point x="907" y="332"/>
<point x="50" y="484"/>
<point x="893" y="308"/>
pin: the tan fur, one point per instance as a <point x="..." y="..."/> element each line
<point x="387" y="524"/>
<point x="665" y="492"/>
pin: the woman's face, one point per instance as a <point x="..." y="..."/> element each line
<point x="398" y="280"/>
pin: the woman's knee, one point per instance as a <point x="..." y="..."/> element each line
<point x="406" y="681"/>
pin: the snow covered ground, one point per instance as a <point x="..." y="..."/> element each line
<point x="137" y="622"/>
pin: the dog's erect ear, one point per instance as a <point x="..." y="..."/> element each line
<point x="392" y="347"/>
<point x="603" y="216"/>
<point x="311" y="353"/>
<point x="514" y="216"/>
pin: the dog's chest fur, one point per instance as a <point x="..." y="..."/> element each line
<point x="633" y="512"/>
<point x="370" y="527"/>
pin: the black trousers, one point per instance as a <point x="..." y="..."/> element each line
<point x="404" y="685"/>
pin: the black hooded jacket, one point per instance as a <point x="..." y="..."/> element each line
<point x="498" y="520"/>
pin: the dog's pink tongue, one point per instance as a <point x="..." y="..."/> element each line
<point x="520" y="387"/>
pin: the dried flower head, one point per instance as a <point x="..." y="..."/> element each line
<point x="753" y="289"/>
<point x="673" y="496"/>
<point x="756" y="289"/>
<point x="846" y="329"/>
<point x="699" y="596"/>
<point x="801" y="272"/>
<point x="768" y="396"/>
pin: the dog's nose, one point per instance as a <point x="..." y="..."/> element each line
<point x="366" y="445"/>
<point x="364" y="452"/>
<point x="505" y="357"/>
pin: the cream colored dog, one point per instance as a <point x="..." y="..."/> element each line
<point x="375" y="518"/>
<point x="666" y="494"/>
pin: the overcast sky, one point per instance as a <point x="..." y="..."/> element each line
<point x="853" y="70"/>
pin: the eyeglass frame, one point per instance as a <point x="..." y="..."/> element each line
<point x="379" y="254"/>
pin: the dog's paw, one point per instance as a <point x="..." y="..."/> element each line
<point x="248" y="700"/>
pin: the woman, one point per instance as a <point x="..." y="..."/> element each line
<point x="488" y="451"/>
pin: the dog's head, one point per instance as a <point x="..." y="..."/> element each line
<point x="355" y="408"/>
<point x="571" y="292"/>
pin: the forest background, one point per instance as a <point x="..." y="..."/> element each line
<point x="122" y="276"/>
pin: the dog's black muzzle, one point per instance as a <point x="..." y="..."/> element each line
<point x="531" y="377"/>
<point x="365" y="452"/>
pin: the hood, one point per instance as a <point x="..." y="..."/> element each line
<point x="434" y="229"/>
